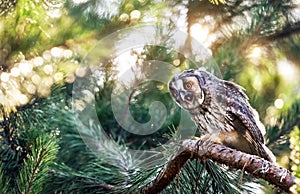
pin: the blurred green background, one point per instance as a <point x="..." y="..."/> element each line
<point x="43" y="47"/>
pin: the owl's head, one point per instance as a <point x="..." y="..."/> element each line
<point x="186" y="89"/>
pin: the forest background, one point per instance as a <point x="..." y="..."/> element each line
<point x="61" y="60"/>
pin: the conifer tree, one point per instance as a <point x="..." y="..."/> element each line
<point x="44" y="49"/>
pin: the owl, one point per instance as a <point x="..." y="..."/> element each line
<point x="221" y="111"/>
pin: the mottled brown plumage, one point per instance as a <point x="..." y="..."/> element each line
<point x="221" y="110"/>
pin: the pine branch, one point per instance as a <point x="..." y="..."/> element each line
<point x="34" y="170"/>
<point x="7" y="134"/>
<point x="278" y="134"/>
<point x="286" y="32"/>
<point x="254" y="165"/>
<point x="69" y="177"/>
<point x="4" y="181"/>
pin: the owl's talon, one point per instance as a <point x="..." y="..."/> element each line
<point x="203" y="146"/>
<point x="265" y="167"/>
<point x="283" y="174"/>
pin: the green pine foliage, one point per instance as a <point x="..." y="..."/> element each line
<point x="34" y="170"/>
<point x="208" y="177"/>
<point x="28" y="147"/>
<point x="278" y="135"/>
<point x="4" y="181"/>
<point x="42" y="150"/>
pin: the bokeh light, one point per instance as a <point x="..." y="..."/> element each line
<point x="4" y="77"/>
<point x="15" y="71"/>
<point x="135" y="15"/>
<point x="38" y="61"/>
<point x="176" y="62"/>
<point x="124" y="17"/>
<point x="255" y="54"/>
<point x="287" y="70"/>
<point x="25" y="68"/>
<point x="278" y="103"/>
<point x="28" y="78"/>
<point x="200" y="33"/>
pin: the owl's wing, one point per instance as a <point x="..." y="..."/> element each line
<point x="236" y="90"/>
<point x="245" y="120"/>
<point x="241" y="115"/>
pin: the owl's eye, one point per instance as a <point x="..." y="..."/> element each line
<point x="188" y="85"/>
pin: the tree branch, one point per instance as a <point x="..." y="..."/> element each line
<point x="285" y="32"/>
<point x="191" y="149"/>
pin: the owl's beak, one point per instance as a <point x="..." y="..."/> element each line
<point x="180" y="96"/>
<point x="187" y="97"/>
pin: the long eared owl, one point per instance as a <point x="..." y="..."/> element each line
<point x="221" y="110"/>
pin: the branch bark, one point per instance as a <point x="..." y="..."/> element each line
<point x="191" y="149"/>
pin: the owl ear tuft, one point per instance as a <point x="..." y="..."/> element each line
<point x="200" y="77"/>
